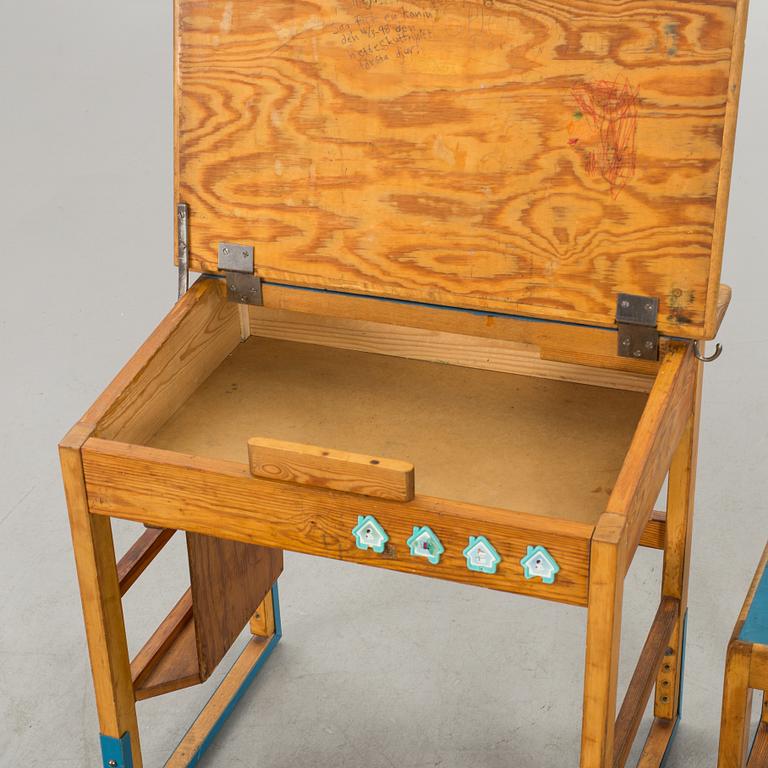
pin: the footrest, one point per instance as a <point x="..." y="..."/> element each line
<point x="226" y="697"/>
<point x="641" y="685"/>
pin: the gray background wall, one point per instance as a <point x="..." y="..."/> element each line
<point x="85" y="233"/>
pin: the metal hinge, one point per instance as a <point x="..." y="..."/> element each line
<point x="182" y="233"/>
<point x="636" y="317"/>
<point x="236" y="262"/>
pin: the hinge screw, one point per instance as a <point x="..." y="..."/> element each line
<point x="625" y="341"/>
<point x="112" y="764"/>
<point x="638" y="353"/>
<point x="649" y="344"/>
<point x="665" y="699"/>
<point x="226" y="251"/>
<point x="649" y="307"/>
<point x="625" y="304"/>
<point x="245" y="254"/>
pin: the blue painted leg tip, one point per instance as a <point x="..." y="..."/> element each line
<point x="116" y="753"/>
<point x="680" y="695"/>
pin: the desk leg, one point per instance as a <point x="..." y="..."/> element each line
<point x="263" y="621"/>
<point x="677" y="557"/>
<point x="104" y="625"/>
<point x="606" y="591"/>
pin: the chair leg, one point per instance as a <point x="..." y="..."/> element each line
<point x="103" y="613"/>
<point x="758" y="755"/>
<point x="737" y="707"/>
<point x="606" y="590"/>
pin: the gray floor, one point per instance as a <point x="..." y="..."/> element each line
<point x="375" y="669"/>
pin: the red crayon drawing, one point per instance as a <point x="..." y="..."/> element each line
<point x="604" y="129"/>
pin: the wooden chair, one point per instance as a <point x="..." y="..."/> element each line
<point x="746" y="669"/>
<point x="460" y="259"/>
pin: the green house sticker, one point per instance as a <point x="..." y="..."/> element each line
<point x="538" y="563"/>
<point x="480" y="555"/>
<point x="369" y="534"/>
<point x="424" y="543"/>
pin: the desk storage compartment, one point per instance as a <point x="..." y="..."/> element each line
<point x="520" y="454"/>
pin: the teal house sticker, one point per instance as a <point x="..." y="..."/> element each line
<point x="538" y="562"/>
<point x="369" y="534"/>
<point x="424" y="543"/>
<point x="481" y="556"/>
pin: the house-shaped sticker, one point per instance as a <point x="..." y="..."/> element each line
<point x="481" y="556"/>
<point x="538" y="562"/>
<point x="369" y="534"/>
<point x="424" y="543"/>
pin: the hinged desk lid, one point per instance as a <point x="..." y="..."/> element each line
<point x="533" y="157"/>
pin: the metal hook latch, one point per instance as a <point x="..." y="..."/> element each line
<point x="707" y="358"/>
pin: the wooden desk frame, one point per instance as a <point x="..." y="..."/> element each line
<point x="109" y="473"/>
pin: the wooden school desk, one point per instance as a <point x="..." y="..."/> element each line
<point x="459" y="261"/>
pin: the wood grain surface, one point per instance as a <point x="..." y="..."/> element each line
<point x="535" y="157"/>
<point x="141" y="553"/>
<point x="229" y="580"/>
<point x="584" y="345"/>
<point x="94" y="552"/>
<point x="184" y="349"/>
<point x="330" y="468"/>
<point x="216" y="707"/>
<point x="514" y="442"/>
<point x="758" y="757"/>
<point x="640" y="686"/>
<point x="221" y="498"/>
<point x="758" y="670"/>
<point x="168" y="660"/>
<point x="654" y="443"/>
<point x="655" y="747"/>
<point x="438" y="346"/>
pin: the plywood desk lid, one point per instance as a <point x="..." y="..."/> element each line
<point x="534" y="157"/>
